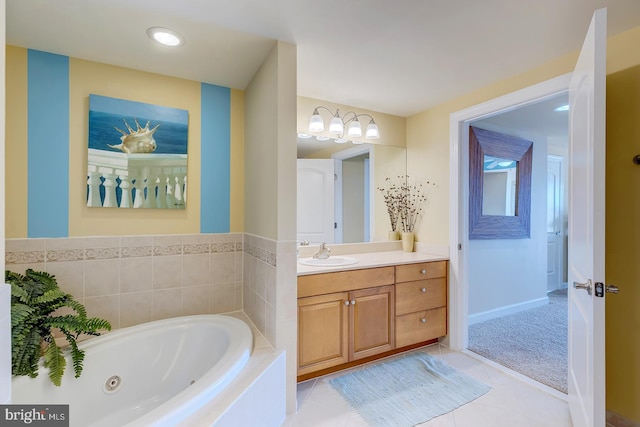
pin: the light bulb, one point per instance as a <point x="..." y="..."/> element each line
<point x="355" y="129"/>
<point x="316" y="124"/>
<point x="372" y="131"/>
<point x="336" y="126"/>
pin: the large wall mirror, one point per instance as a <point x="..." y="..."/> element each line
<point x="338" y="199"/>
<point x="499" y="185"/>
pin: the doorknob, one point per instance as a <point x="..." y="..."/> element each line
<point x="585" y="286"/>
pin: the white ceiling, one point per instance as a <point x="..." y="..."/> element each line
<point x="398" y="57"/>
<point x="537" y="118"/>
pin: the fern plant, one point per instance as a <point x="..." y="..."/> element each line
<point x="35" y="298"/>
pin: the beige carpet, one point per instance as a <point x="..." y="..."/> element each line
<point x="532" y="342"/>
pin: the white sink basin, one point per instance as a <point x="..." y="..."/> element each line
<point x="332" y="261"/>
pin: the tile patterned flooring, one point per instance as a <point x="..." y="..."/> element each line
<point x="510" y="402"/>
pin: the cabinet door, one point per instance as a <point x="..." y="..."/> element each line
<point x="322" y="332"/>
<point x="371" y="321"/>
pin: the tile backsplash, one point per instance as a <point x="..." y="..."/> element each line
<point x="135" y="279"/>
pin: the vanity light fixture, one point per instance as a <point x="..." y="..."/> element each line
<point x="165" y="36"/>
<point x="338" y="123"/>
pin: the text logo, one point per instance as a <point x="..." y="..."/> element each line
<point x="34" y="415"/>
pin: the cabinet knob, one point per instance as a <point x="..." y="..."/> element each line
<point x="423" y="290"/>
<point x="423" y="320"/>
<point x="346" y="303"/>
<point x="423" y="271"/>
<point x="353" y="302"/>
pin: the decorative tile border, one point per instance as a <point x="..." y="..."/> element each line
<point x="24" y="257"/>
<point x="196" y="248"/>
<point x="136" y="251"/>
<point x="103" y="253"/>
<point x="260" y="253"/>
<point x="167" y="250"/>
<point x="65" y="255"/>
<point x="223" y="247"/>
<point x="220" y="244"/>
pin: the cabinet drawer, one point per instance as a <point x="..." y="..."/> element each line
<point x="341" y="281"/>
<point x="421" y="295"/>
<point x="421" y="326"/>
<point x="420" y="271"/>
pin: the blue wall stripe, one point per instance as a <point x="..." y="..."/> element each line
<point x="215" y="160"/>
<point x="48" y="145"/>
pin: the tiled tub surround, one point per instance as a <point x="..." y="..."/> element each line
<point x="270" y="293"/>
<point x="130" y="280"/>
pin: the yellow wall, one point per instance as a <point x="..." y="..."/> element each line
<point x="428" y="154"/>
<point x="87" y="77"/>
<point x="623" y="243"/>
<point x="428" y="131"/>
<point x="237" y="161"/>
<point x="16" y="147"/>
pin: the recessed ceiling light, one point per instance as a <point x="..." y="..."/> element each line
<point x="304" y="135"/>
<point x="165" y="36"/>
<point x="322" y="138"/>
<point x="562" y="108"/>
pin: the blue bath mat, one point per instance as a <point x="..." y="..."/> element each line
<point x="407" y="391"/>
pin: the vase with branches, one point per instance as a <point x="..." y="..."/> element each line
<point x="391" y="195"/>
<point x="411" y="203"/>
<point x="405" y="201"/>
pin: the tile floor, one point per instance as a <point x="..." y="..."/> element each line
<point x="510" y="402"/>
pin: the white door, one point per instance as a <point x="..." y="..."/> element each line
<point x="315" y="200"/>
<point x="586" y="228"/>
<point x="555" y="235"/>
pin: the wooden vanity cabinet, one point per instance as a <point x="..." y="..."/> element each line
<point x="421" y="302"/>
<point x="339" y="327"/>
<point x="347" y="316"/>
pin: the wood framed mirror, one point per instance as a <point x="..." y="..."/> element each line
<point x="499" y="185"/>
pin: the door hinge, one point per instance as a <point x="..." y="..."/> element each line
<point x="459" y="246"/>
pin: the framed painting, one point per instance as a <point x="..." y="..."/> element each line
<point x="137" y="155"/>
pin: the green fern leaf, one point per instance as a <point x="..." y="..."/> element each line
<point x="51" y="296"/>
<point x="19" y="314"/>
<point x="24" y="358"/>
<point x="77" y="355"/>
<point x="77" y="307"/>
<point x="19" y="294"/>
<point x="95" y="324"/>
<point x="48" y="281"/>
<point x="55" y="361"/>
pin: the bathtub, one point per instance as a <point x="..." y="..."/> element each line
<point x="154" y="374"/>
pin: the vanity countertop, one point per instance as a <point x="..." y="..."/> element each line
<point x="374" y="259"/>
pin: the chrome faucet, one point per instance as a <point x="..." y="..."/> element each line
<point x="323" y="251"/>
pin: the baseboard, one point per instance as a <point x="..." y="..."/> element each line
<point x="616" y="420"/>
<point x="506" y="310"/>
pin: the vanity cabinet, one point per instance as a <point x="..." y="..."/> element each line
<point x="348" y="317"/>
<point x="339" y="327"/>
<point x="421" y="302"/>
